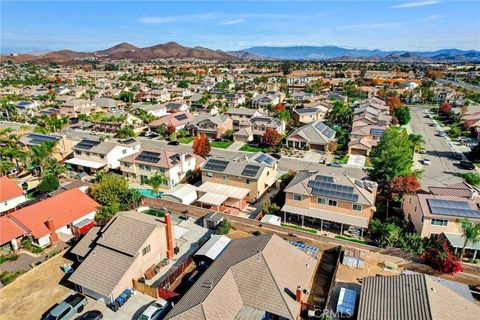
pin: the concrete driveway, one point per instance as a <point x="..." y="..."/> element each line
<point x="356" y="160"/>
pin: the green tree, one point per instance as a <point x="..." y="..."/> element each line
<point x="39" y="154"/>
<point x="52" y="167"/>
<point x="472" y="178"/>
<point x="403" y="115"/>
<point x="386" y="234"/>
<point x="340" y="114"/>
<point x="391" y="158"/>
<point x="157" y="181"/>
<point x="470" y="233"/>
<point x="183" y="84"/>
<point x="125" y="132"/>
<point x="417" y="140"/>
<point x="224" y="227"/>
<point x="48" y="184"/>
<point x="5" y="167"/>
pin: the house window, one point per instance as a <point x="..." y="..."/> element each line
<point x="124" y="151"/>
<point x="297" y="197"/>
<point x="127" y="165"/>
<point x="87" y="153"/>
<point x="78" y="153"/>
<point x="148" y="168"/>
<point x="143" y="179"/>
<point x="434" y="236"/>
<point x="209" y="174"/>
<point x="102" y="156"/>
<point x="142" y="166"/>
<point x="332" y="203"/>
<point x="357" y="207"/>
<point x="321" y="201"/>
<point x="146" y="250"/>
<point x="439" y="222"/>
<point x="248" y="181"/>
<point x="410" y="200"/>
<point x="225" y="177"/>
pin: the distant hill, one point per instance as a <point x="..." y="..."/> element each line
<point x="333" y="52"/>
<point x="244" y="55"/>
<point x="126" y="51"/>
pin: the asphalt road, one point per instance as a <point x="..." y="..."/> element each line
<point x="443" y="170"/>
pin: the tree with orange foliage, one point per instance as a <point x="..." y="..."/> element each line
<point x="271" y="137"/>
<point x="170" y="129"/>
<point x="393" y="103"/>
<point x="201" y="145"/>
<point x="445" y="108"/>
<point x="404" y="184"/>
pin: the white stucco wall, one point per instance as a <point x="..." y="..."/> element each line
<point x="12" y="203"/>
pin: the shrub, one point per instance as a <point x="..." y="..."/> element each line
<point x="440" y="257"/>
<point x="224" y="227"/>
<point x="48" y="184"/>
<point x="8" y="277"/>
<point x="256" y="233"/>
<point x="472" y="178"/>
<point x="8" y="257"/>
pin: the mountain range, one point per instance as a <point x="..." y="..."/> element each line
<point x="172" y="50"/>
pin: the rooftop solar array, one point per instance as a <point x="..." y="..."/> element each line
<point x="264" y="158"/>
<point x="128" y="141"/>
<point x="39" y="139"/>
<point x="86" y="144"/>
<point x="326" y="186"/>
<point x="325" y="130"/>
<point x="175" y="158"/>
<point x="377" y="132"/>
<point x="216" y="165"/>
<point x="181" y="117"/>
<point x="250" y="170"/>
<point x="148" y="156"/>
<point x="452" y="208"/>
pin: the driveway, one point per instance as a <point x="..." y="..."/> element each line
<point x="236" y="146"/>
<point x="443" y="170"/>
<point x="356" y="160"/>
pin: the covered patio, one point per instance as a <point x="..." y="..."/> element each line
<point x="457" y="242"/>
<point x="84" y="165"/>
<point x="219" y="195"/>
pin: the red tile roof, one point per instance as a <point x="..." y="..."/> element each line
<point x="9" y="189"/>
<point x="63" y="208"/>
<point x="9" y="230"/>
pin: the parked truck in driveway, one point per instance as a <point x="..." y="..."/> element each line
<point x="68" y="308"/>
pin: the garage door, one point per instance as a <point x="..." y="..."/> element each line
<point x="95" y="295"/>
<point x="358" y="152"/>
<point x="317" y="147"/>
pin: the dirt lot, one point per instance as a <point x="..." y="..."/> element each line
<point x="33" y="293"/>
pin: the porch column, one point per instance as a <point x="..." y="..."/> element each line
<point x="341" y="229"/>
<point x="474" y="254"/>
<point x="218" y="208"/>
<point x="321" y="225"/>
<point x="303" y="219"/>
<point x="361" y="233"/>
<point x="284" y="217"/>
<point x="14" y="244"/>
<point x="456" y="251"/>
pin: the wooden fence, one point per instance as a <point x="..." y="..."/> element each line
<point x="145" y="288"/>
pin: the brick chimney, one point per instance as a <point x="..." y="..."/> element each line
<point x="298" y="295"/>
<point x="53" y="231"/>
<point x="170" y="236"/>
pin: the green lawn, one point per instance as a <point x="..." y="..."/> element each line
<point x="221" y="144"/>
<point x="185" y="140"/>
<point x="153" y="212"/>
<point x="341" y="159"/>
<point x="254" y="149"/>
<point x="349" y="239"/>
<point x="295" y="227"/>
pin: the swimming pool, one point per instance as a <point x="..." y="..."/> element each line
<point x="150" y="193"/>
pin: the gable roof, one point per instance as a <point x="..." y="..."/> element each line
<point x="258" y="272"/>
<point x="63" y="208"/>
<point x="9" y="189"/>
<point x="315" y="133"/>
<point x="9" y="229"/>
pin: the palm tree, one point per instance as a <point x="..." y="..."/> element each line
<point x="41" y="153"/>
<point x="470" y="233"/>
<point x="157" y="181"/>
<point x="52" y="167"/>
<point x="417" y="140"/>
<point x="5" y="167"/>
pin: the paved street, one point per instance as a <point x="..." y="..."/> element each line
<point x="443" y="170"/>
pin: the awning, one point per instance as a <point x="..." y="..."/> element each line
<point x="213" y="199"/>
<point x="85" y="163"/>
<point x="271" y="181"/>
<point x="457" y="241"/>
<point x="223" y="189"/>
<point x="327" y="215"/>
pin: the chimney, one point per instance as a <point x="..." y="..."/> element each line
<point x="53" y="232"/>
<point x="298" y="295"/>
<point x="170" y="236"/>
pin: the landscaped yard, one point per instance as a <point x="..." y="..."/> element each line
<point x="221" y="144"/>
<point x="343" y="159"/>
<point x="254" y="149"/>
<point x="185" y="140"/>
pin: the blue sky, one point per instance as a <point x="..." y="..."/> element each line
<point x="35" y="26"/>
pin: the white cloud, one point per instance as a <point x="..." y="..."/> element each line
<point x="414" y="4"/>
<point x="235" y="21"/>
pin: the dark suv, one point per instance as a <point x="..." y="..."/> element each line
<point x="465" y="164"/>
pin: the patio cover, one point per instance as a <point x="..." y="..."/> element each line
<point x="327" y="215"/>
<point x="457" y="241"/>
<point x="213" y="199"/>
<point x="222" y="189"/>
<point x="85" y="163"/>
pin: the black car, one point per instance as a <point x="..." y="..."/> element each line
<point x="91" y="315"/>
<point x="173" y="143"/>
<point x="276" y="156"/>
<point x="465" y="164"/>
<point x="457" y="156"/>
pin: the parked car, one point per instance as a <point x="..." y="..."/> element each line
<point x="465" y="164"/>
<point x="423" y="150"/>
<point x="441" y="133"/>
<point x="91" y="315"/>
<point x="68" y="308"/>
<point x="426" y="162"/>
<point x="149" y="133"/>
<point x="156" y="310"/>
<point x="173" y="143"/>
<point x="457" y="156"/>
<point x="463" y="139"/>
<point x="276" y="156"/>
<point x="433" y="124"/>
<point x="335" y="164"/>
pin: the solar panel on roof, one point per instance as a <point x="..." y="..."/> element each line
<point x="326" y="186"/>
<point x="87" y="144"/>
<point x="250" y="170"/>
<point x="325" y="130"/>
<point x="263" y="158"/>
<point x="452" y="208"/>
<point x="148" y="156"/>
<point x="216" y="165"/>
<point x="181" y="117"/>
<point x="377" y="132"/>
<point x="39" y="139"/>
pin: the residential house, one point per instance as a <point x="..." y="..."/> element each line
<point x="310" y="113"/>
<point x="180" y="93"/>
<point x="63" y="146"/>
<point x="235" y="99"/>
<point x="73" y="108"/>
<point x="123" y="250"/>
<point x="364" y="138"/>
<point x="174" y="167"/>
<point x="11" y="195"/>
<point x="179" y="120"/>
<point x="174" y="107"/>
<point x="114" y="121"/>
<point x="156" y="110"/>
<point x="417" y="296"/>
<point x="435" y="214"/>
<point x="243" y="179"/>
<point x="92" y="156"/>
<point x="160" y="95"/>
<point x="314" y="136"/>
<point x="270" y="98"/>
<point x="109" y="105"/>
<point x="253" y="278"/>
<point x="326" y="199"/>
<point x="257" y="128"/>
<point x="67" y="213"/>
<point x="214" y="127"/>
<point x="240" y="116"/>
